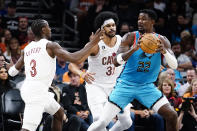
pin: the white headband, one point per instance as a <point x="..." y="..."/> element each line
<point x="107" y="22"/>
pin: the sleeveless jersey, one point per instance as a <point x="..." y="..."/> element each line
<point x="141" y="68"/>
<point x="39" y="66"/>
<point x="102" y="64"/>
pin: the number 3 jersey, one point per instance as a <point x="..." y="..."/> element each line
<point x="39" y="66"/>
<point x="102" y="64"/>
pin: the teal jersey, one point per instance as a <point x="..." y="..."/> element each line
<point x="141" y="68"/>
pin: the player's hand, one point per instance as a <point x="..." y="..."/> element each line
<point x="95" y="38"/>
<point x="160" y="45"/>
<point x="88" y="77"/>
<point x="91" y="36"/>
<point x="136" y="46"/>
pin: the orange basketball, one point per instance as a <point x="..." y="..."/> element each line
<point x="149" y="43"/>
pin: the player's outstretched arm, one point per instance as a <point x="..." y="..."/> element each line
<point x="20" y="63"/>
<point x="14" y="69"/>
<point x="55" y="49"/>
<point x="87" y="76"/>
<point x="126" y="49"/>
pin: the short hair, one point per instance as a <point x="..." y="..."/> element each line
<point x="105" y="15"/>
<point x="151" y="13"/>
<point x="37" y="26"/>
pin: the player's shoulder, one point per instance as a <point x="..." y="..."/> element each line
<point x="128" y="37"/>
<point x="52" y="44"/>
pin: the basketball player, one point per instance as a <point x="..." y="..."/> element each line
<point x="100" y="61"/>
<point x="39" y="59"/>
<point x="139" y="72"/>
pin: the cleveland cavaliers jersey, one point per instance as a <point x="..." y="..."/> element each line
<point x="141" y="67"/>
<point x="102" y="64"/>
<point x="39" y="66"/>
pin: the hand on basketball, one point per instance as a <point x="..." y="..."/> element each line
<point x="160" y="45"/>
<point x="88" y="77"/>
<point x="136" y="46"/>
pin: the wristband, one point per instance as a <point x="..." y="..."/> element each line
<point x="13" y="71"/>
<point x="119" y="59"/>
<point x="171" y="60"/>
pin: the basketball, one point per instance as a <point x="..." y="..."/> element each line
<point x="149" y="43"/>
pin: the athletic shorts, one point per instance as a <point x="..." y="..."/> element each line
<point x="148" y="95"/>
<point x="97" y="94"/>
<point x="36" y="105"/>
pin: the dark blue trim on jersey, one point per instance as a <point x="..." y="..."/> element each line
<point x="115" y="104"/>
<point x="156" y="101"/>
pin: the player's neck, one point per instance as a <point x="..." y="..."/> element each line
<point x="110" y="41"/>
<point x="149" y="31"/>
<point x="39" y="38"/>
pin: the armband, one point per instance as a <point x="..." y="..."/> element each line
<point x="120" y="60"/>
<point x="171" y="60"/>
<point x="13" y="71"/>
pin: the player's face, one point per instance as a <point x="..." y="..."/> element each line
<point x="144" y="23"/>
<point x="47" y="31"/>
<point x="110" y="29"/>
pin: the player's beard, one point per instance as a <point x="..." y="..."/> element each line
<point x="110" y="35"/>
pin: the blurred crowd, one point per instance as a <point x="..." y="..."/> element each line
<point x="177" y="20"/>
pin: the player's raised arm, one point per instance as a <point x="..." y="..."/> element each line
<point x="126" y="49"/>
<point x="76" y="57"/>
<point x="87" y="76"/>
<point x="14" y="69"/>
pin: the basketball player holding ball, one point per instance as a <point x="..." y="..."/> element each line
<point x="139" y="72"/>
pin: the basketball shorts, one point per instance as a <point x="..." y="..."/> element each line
<point x="35" y="106"/>
<point x="147" y="94"/>
<point x="97" y="96"/>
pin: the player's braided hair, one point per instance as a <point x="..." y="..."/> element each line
<point x="101" y="17"/>
<point x="37" y="25"/>
<point x="151" y="13"/>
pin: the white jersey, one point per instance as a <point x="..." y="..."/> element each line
<point x="102" y="64"/>
<point x="39" y="66"/>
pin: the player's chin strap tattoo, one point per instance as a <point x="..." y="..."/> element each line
<point x="171" y="60"/>
<point x="13" y="71"/>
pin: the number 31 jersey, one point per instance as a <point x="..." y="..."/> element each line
<point x="39" y="66"/>
<point x="102" y="64"/>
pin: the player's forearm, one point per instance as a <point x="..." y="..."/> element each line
<point x="171" y="60"/>
<point x="124" y="56"/>
<point x="74" y="68"/>
<point x="83" y="54"/>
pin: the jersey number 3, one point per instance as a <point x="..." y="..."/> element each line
<point x="33" y="68"/>
<point x="110" y="70"/>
